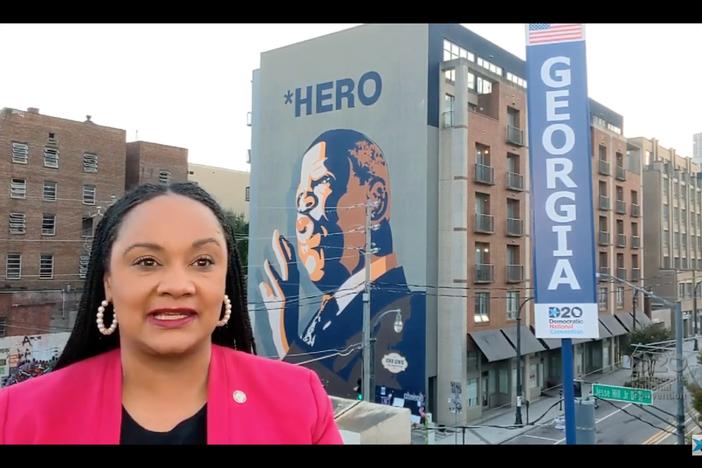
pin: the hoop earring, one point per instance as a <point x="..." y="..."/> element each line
<point x="227" y="312"/>
<point x="101" y="324"/>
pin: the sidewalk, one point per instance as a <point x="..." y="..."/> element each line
<point x="537" y="408"/>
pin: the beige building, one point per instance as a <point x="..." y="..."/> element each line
<point x="229" y="187"/>
<point x="673" y="224"/>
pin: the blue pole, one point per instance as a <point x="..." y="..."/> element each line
<point x="568" y="395"/>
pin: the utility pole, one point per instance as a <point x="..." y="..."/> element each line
<point x="366" y="310"/>
<point x="680" y="416"/>
<point x="634" y="298"/>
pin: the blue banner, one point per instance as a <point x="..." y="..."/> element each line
<point x="561" y="183"/>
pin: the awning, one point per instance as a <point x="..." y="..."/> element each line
<point x="604" y="333"/>
<point x="642" y="319"/>
<point x="551" y="343"/>
<point x="528" y="342"/>
<point x="613" y="325"/>
<point x="626" y="319"/>
<point x="493" y="344"/>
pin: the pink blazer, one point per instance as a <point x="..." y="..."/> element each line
<point x="82" y="403"/>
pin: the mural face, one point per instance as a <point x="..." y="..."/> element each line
<point x="340" y="173"/>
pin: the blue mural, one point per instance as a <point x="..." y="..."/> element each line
<point x="340" y="172"/>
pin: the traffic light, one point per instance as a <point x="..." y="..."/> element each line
<point x="359" y="390"/>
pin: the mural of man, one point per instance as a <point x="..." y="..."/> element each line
<point x="341" y="171"/>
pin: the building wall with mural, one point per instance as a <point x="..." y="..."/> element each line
<point x="338" y="123"/>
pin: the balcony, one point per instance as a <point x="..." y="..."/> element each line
<point x="515" y="135"/>
<point x="621" y="240"/>
<point x="635" y="274"/>
<point x="635" y="210"/>
<point x="620" y="173"/>
<point x="621" y="207"/>
<point x="484" y="273"/>
<point x="604" y="271"/>
<point x="635" y="242"/>
<point x="484" y="174"/>
<point x="604" y="167"/>
<point x="484" y="223"/>
<point x="515" y="227"/>
<point x="515" y="181"/>
<point x="515" y="273"/>
<point x="603" y="238"/>
<point x="621" y="273"/>
<point x="604" y="203"/>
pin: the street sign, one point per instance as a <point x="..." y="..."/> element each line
<point x="640" y="396"/>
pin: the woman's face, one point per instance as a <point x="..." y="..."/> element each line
<point x="166" y="276"/>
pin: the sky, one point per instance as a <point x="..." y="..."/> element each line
<point x="189" y="85"/>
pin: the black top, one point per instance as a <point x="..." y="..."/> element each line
<point x="191" y="431"/>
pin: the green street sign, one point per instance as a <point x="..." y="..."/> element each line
<point x="640" y="396"/>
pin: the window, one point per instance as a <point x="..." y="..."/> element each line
<point x="482" y="307"/>
<point x="513" y="117"/>
<point x="3" y="332"/>
<point x="513" y="163"/>
<point x="18" y="188"/>
<point x="620" y="296"/>
<point x="619" y="157"/>
<point x="513" y="211"/>
<point x="50" y="189"/>
<point x="482" y="203"/>
<point x="666" y="241"/>
<point x="90" y="162"/>
<point x="48" y="225"/>
<point x="17" y="223"/>
<point x="164" y="177"/>
<point x="46" y="267"/>
<point x="482" y="253"/>
<point x="512" y="305"/>
<point x="620" y="193"/>
<point x="635" y="229"/>
<point x="51" y="157"/>
<point x="602" y="300"/>
<point x="20" y="153"/>
<point x="513" y="255"/>
<point x="449" y="102"/>
<point x="88" y="194"/>
<point x="13" y="266"/>
<point x="634" y="261"/>
<point x="87" y="228"/>
<point x="247" y="193"/>
<point x="83" y="266"/>
<point x="681" y="290"/>
<point x="603" y="153"/>
<point x="484" y="86"/>
<point x="666" y="191"/>
<point x="482" y="154"/>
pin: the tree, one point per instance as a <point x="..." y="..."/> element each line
<point x="240" y="227"/>
<point x="645" y="358"/>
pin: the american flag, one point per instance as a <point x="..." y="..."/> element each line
<point x="547" y="33"/>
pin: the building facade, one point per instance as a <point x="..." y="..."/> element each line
<point x="60" y="175"/>
<point x="229" y="187"/>
<point x="673" y="225"/>
<point x="155" y="163"/>
<point x="443" y="111"/>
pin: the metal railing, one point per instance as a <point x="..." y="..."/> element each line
<point x="484" y="174"/>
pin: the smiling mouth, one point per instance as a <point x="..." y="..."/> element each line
<point x="172" y="315"/>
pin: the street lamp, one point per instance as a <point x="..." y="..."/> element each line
<point x="518" y="415"/>
<point x="370" y="368"/>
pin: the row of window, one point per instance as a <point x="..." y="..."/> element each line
<point x="20" y="155"/>
<point x="482" y="306"/>
<point x="453" y="51"/>
<point x="18" y="224"/>
<point x="603" y="297"/>
<point x="13" y="266"/>
<point x="18" y="189"/>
